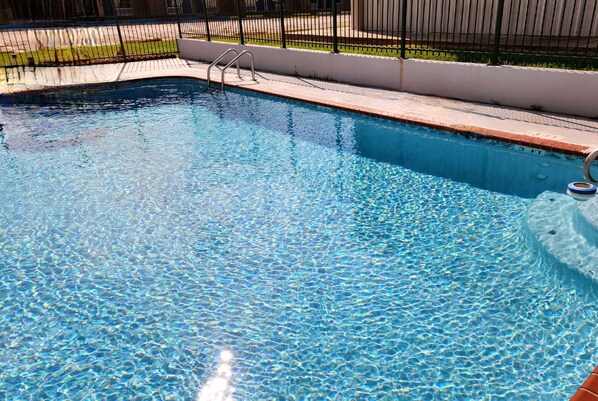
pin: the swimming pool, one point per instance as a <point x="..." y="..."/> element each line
<point x="161" y="242"/>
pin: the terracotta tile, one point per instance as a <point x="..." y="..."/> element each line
<point x="508" y="137"/>
<point x="591" y="383"/>
<point x="567" y="146"/>
<point x="533" y="139"/>
<point x="571" y="149"/>
<point x="547" y="143"/>
<point x="583" y="395"/>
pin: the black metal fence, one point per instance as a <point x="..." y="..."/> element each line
<point x="75" y="32"/>
<point x="550" y="32"/>
<point x="538" y="32"/>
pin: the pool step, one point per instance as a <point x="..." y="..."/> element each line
<point x="567" y="230"/>
<point x="588" y="220"/>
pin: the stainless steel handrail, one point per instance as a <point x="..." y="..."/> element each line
<point x="237" y="57"/>
<point x="215" y="62"/>
<point x="587" y="164"/>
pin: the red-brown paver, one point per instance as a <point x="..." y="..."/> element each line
<point x="584" y="395"/>
<point x="588" y="391"/>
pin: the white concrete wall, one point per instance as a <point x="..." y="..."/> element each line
<point x="361" y="70"/>
<point x="560" y="91"/>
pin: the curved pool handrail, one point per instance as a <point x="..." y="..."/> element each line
<point x="215" y="62"/>
<point x="587" y="164"/>
<point x="237" y="60"/>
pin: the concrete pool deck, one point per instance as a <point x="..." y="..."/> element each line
<point x="547" y="131"/>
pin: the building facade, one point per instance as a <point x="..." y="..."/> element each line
<point x="474" y="17"/>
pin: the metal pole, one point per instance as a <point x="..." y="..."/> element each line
<point x="334" y="28"/>
<point x="403" y="28"/>
<point x="240" y="23"/>
<point x="28" y="9"/>
<point x="282" y="33"/>
<point x="205" y="13"/>
<point x="120" y="36"/>
<point x="178" y="18"/>
<point x="499" y="16"/>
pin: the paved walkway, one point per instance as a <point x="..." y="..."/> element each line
<point x="565" y="134"/>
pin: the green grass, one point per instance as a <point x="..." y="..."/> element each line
<point x="88" y="54"/>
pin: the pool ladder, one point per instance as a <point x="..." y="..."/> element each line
<point x="230" y="63"/>
<point x="593" y="155"/>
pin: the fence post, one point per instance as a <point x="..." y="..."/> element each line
<point x="282" y="33"/>
<point x="498" y="31"/>
<point x="241" y="37"/>
<point x="205" y="13"/>
<point x="178" y="18"/>
<point x="403" y="28"/>
<point x="334" y="28"/>
<point x="120" y="36"/>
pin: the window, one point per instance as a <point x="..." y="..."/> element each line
<point x="124" y="7"/>
<point x="170" y="4"/>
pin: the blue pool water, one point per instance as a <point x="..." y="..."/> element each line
<point x="158" y="242"/>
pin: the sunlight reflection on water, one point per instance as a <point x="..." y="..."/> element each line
<point x="218" y="387"/>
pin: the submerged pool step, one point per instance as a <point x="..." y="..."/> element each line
<point x="587" y="220"/>
<point x="566" y="230"/>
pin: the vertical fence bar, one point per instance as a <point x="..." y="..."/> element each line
<point x="433" y="28"/>
<point x="334" y="27"/>
<point x="120" y="36"/>
<point x="403" y="28"/>
<point x="582" y="11"/>
<point x="418" y="38"/>
<point x="517" y="27"/>
<point x="491" y="18"/>
<point x="447" y="43"/>
<point x="14" y="58"/>
<point x="205" y="14"/>
<point x="550" y="35"/>
<point x="482" y="25"/>
<point x="591" y="27"/>
<point x="241" y="37"/>
<point x="573" y="12"/>
<point x="282" y="33"/>
<point x="388" y="44"/>
<point x="440" y="27"/>
<point x="178" y="18"/>
<point x="498" y="29"/>
<point x="533" y="25"/>
<point x="456" y="13"/>
<point x="510" y="14"/>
